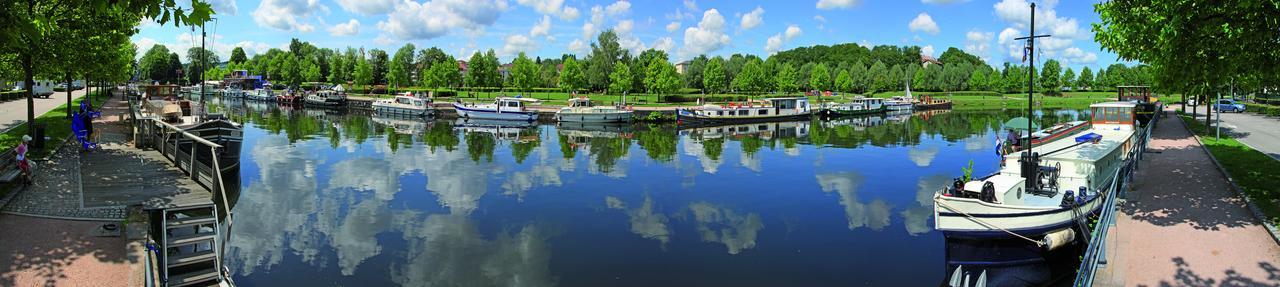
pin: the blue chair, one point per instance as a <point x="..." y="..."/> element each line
<point x="82" y="133"/>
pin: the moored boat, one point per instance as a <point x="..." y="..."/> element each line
<point x="326" y="98"/>
<point x="1053" y="133"/>
<point x="857" y="106"/>
<point x="502" y="108"/>
<point x="898" y="104"/>
<point x="773" y="109"/>
<point x="289" y="97"/>
<point x="930" y="103"/>
<point x="265" y="95"/>
<point x="1042" y="195"/>
<point x="582" y="110"/>
<point x="404" y="105"/>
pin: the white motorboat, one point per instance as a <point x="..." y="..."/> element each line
<point x="327" y="98"/>
<point x="233" y="92"/>
<point x="266" y="95"/>
<point x="582" y="110"/>
<point x="898" y="104"/>
<point x="404" y="105"/>
<point x="773" y="109"/>
<point x="1042" y="195"/>
<point x="502" y="108"/>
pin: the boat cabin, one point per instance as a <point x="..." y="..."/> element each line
<point x="1141" y="94"/>
<point x="1113" y="113"/>
<point x="512" y="104"/>
<point x="410" y="100"/>
<point x="161" y="91"/>
<point x="580" y="103"/>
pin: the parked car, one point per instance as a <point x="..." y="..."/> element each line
<point x="1229" y="105"/>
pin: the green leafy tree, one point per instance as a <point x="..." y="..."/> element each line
<point x="1069" y="79"/>
<point x="1085" y="81"/>
<point x="693" y="71"/>
<point x="572" y="78"/>
<point x="524" y="73"/>
<point x="844" y="82"/>
<point x="238" y="56"/>
<point x="154" y="64"/>
<point x="879" y="78"/>
<point x="788" y="79"/>
<point x="661" y="77"/>
<point x="858" y="74"/>
<point x="364" y="72"/>
<point x="714" y="79"/>
<point x="751" y="78"/>
<point x="401" y="67"/>
<point x="378" y="64"/>
<point x="604" y="53"/>
<point x="1050" y="76"/>
<point x="820" y="78"/>
<point x="475" y="70"/>
<point x="978" y="80"/>
<point x="620" y="79"/>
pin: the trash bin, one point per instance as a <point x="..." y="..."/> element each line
<point x="38" y="140"/>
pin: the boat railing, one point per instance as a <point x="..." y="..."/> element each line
<point x="1095" y="254"/>
<point x="151" y="132"/>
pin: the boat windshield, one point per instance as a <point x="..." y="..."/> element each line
<point x="581" y="103"/>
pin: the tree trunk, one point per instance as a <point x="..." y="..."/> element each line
<point x="69" y="89"/>
<point x="1208" y="111"/>
<point x="28" y="72"/>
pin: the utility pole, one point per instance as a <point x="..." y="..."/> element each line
<point x="204" y="54"/>
<point x="1029" y="158"/>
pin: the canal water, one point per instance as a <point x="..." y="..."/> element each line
<point x="334" y="198"/>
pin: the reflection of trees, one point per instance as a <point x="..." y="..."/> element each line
<point x="480" y="145"/>
<point x="567" y="150"/>
<point x="659" y="142"/>
<point x="441" y="135"/>
<point x="712" y="148"/>
<point x="606" y="151"/>
<point x="520" y="149"/>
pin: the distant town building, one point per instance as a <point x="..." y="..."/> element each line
<point x="462" y="66"/>
<point x="681" y="66"/>
<point x="926" y="60"/>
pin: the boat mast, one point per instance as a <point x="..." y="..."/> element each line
<point x="204" y="54"/>
<point x="1031" y="74"/>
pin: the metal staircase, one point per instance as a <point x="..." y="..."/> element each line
<point x="188" y="252"/>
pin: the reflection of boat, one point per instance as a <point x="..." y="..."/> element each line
<point x="577" y="131"/>
<point x="326" y="98"/>
<point x="858" y="123"/>
<point x="1007" y="262"/>
<point x="404" y="105"/>
<point x="582" y="110"/>
<point x="770" y="130"/>
<point x="858" y="106"/>
<point x="403" y="125"/>
<point x="502" y="130"/>
<point x="1042" y="195"/>
<point x="900" y="116"/>
<point x="774" y="109"/>
<point x="502" y="108"/>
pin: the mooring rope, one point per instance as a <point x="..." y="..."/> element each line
<point x="989" y="225"/>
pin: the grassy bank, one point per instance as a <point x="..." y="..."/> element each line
<point x="57" y="128"/>
<point x="1254" y="171"/>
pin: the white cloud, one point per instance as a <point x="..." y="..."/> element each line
<point x="1017" y="13"/>
<point x="865" y="44"/>
<point x="753" y="19"/>
<point x="382" y="40"/>
<point x="588" y="30"/>
<point x="569" y="13"/>
<point x="673" y="26"/>
<point x="597" y="15"/>
<point x="691" y="5"/>
<point x="819" y="18"/>
<point x="792" y="32"/>
<point x="184" y="41"/>
<point x="542" y="28"/>
<point x="837" y="4"/>
<point x="665" y="44"/>
<point x="708" y="36"/>
<point x="578" y="46"/>
<point x="287" y="15"/>
<point x="516" y="43"/>
<point x="979" y="43"/>
<point x="368" y="7"/>
<point x="346" y="29"/>
<point x="626" y="39"/>
<point x="224" y="7"/>
<point x="923" y="23"/>
<point x="1077" y="56"/>
<point x="428" y="20"/>
<point x="552" y="7"/>
<point x="618" y="8"/>
<point x="927" y="50"/>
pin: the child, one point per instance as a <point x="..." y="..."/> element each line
<point x="23" y="164"/>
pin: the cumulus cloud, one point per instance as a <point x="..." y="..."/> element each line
<point x="673" y="26"/>
<point x="665" y="44"/>
<point x="352" y="27"/>
<point x="837" y="4"/>
<point x="978" y="43"/>
<point x="1077" y="56"/>
<point x="433" y="19"/>
<point x="1017" y="13"/>
<point x="927" y="50"/>
<point x="382" y="40"/>
<point x="569" y="13"/>
<point x="287" y="15"/>
<point x="691" y="5"/>
<point x="516" y="43"/>
<point x="368" y="7"/>
<point x="551" y="7"/>
<point x="775" y="42"/>
<point x="626" y="39"/>
<point x="578" y="46"/>
<point x="792" y="32"/>
<point x="753" y="19"/>
<point x="225" y="7"/>
<point x="618" y="8"/>
<point x="542" y="28"/>
<point x="184" y="41"/>
<point x="923" y="23"/>
<point x="708" y="36"/>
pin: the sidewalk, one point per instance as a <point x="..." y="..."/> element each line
<point x="1183" y="225"/>
<point x="13" y="113"/>
<point x="51" y="252"/>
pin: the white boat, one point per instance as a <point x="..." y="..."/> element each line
<point x="266" y="95"/>
<point x="503" y="108"/>
<point x="327" y="98"/>
<point x="857" y="106"/>
<point x="404" y="105"/>
<point x="1045" y="194"/>
<point x="773" y="109"/>
<point x="582" y="110"/>
<point x="233" y="92"/>
<point x="898" y="104"/>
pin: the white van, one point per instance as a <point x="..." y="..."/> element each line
<point x="42" y="89"/>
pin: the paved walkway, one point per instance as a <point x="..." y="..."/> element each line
<point x="50" y="252"/>
<point x="98" y="185"/>
<point x="1184" y="226"/>
<point x="13" y="113"/>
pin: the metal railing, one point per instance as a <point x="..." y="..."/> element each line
<point x="151" y="131"/>
<point x="1095" y="253"/>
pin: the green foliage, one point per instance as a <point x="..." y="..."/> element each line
<point x="238" y="56"/>
<point x="820" y="78"/>
<point x="714" y="79"/>
<point x="844" y="82"/>
<point x="1085" y="81"/>
<point x="968" y="171"/>
<point x="694" y="71"/>
<point x="1050" y="77"/>
<point x="787" y="80"/>
<point x="620" y="79"/>
<point x="604" y="53"/>
<point x="661" y="77"/>
<point x="524" y="73"/>
<point x="363" y="72"/>
<point x="751" y="78"/>
<point x="155" y="65"/>
<point x="572" y="78"/>
<point x="401" y="67"/>
<point x="878" y="76"/>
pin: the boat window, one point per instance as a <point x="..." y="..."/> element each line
<point x="513" y="104"/>
<point x="719" y="113"/>
<point x="1113" y="115"/>
<point x="1126" y="115"/>
<point x="743" y="112"/>
<point x="764" y="112"/>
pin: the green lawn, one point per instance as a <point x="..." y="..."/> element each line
<point x="57" y="128"/>
<point x="1254" y="171"/>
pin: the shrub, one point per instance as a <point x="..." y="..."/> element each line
<point x="1268" y="110"/>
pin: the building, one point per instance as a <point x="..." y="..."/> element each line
<point x="681" y="66"/>
<point x="462" y="67"/>
<point x="926" y="60"/>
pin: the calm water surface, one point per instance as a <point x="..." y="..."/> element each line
<point x="347" y="199"/>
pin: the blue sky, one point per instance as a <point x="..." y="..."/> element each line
<point x="684" y="28"/>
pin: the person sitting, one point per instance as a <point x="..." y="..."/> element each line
<point x="24" y="164"/>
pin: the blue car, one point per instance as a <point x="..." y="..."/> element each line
<point x="1229" y="105"/>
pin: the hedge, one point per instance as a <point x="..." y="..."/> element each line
<point x="1268" y="110"/>
<point x="962" y="94"/>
